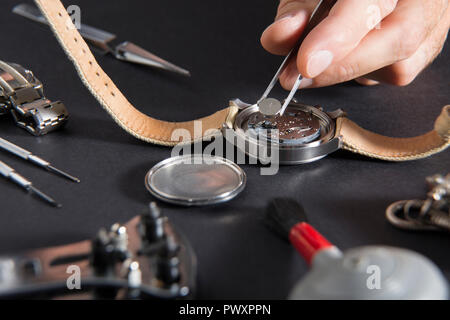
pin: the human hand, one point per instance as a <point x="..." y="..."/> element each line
<point x="390" y="41"/>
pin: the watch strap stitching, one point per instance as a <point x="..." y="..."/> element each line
<point x="130" y="119"/>
<point x="359" y="140"/>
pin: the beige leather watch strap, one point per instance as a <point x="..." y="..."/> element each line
<point x="113" y="101"/>
<point x="359" y="140"/>
<point x="151" y="130"/>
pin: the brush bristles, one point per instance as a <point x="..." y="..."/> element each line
<point x="283" y="214"/>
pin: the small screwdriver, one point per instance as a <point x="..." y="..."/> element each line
<point x="11" y="174"/>
<point x="27" y="155"/>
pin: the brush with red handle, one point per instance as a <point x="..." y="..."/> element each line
<point x="287" y="217"/>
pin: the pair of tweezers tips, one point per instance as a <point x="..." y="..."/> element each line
<point x="12" y="175"/>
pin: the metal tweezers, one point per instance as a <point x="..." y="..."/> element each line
<point x="101" y="40"/>
<point x="320" y="12"/>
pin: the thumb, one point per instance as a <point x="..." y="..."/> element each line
<point x="291" y="19"/>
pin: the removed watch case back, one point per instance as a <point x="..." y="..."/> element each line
<point x="195" y="180"/>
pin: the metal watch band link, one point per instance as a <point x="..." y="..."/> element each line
<point x="41" y="116"/>
<point x="21" y="94"/>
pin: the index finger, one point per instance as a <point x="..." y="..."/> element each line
<point x="340" y="33"/>
<point x="291" y="19"/>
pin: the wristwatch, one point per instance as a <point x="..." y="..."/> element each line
<point x="22" y="95"/>
<point x="306" y="133"/>
<point x="302" y="134"/>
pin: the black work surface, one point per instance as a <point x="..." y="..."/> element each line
<point x="345" y="195"/>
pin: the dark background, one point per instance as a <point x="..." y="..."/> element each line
<point x="345" y="195"/>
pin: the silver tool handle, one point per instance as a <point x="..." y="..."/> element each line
<point x="14" y="149"/>
<point x="22" y="153"/>
<point x="11" y="174"/>
<point x="5" y="170"/>
<point x="27" y="155"/>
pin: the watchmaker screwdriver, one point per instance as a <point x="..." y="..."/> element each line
<point x="12" y="175"/>
<point x="27" y="155"/>
<point x="271" y="106"/>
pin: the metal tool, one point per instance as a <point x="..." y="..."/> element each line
<point x="12" y="175"/>
<point x="432" y="214"/>
<point x="271" y="106"/>
<point x="146" y="258"/>
<point x="125" y="51"/>
<point x="22" y="95"/>
<point x="27" y="155"/>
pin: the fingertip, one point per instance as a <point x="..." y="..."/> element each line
<point x="367" y="82"/>
<point x="312" y="63"/>
<point x="269" y="43"/>
<point x="306" y="83"/>
<point x="286" y="83"/>
<point x="302" y="62"/>
<point x="289" y="76"/>
<point x="282" y="35"/>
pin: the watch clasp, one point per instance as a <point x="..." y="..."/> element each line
<point x="21" y="94"/>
